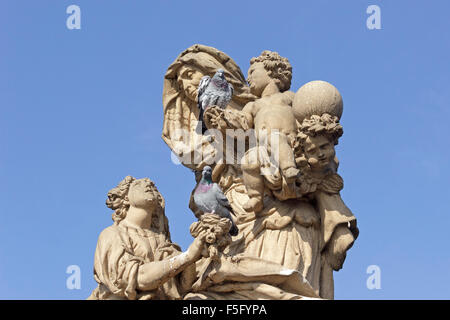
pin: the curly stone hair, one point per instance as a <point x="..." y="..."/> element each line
<point x="278" y="68"/>
<point x="320" y="125"/>
<point x="118" y="201"/>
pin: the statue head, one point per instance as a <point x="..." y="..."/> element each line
<point x="269" y="66"/>
<point x="185" y="73"/>
<point x="317" y="137"/>
<point x="181" y="81"/>
<point x="139" y="193"/>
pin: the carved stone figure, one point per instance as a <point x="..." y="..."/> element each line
<point x="223" y="276"/>
<point x="292" y="228"/>
<point x="295" y="219"/>
<point x="135" y="258"/>
<point x="319" y="179"/>
<point x="269" y="78"/>
<point x="181" y="113"/>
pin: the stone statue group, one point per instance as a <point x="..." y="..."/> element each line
<point x="271" y="221"/>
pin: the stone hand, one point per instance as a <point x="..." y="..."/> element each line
<point x="214" y="118"/>
<point x="198" y="245"/>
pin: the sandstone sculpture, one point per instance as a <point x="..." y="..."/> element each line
<point x="272" y="152"/>
<point x="303" y="224"/>
<point x="135" y="258"/>
<point x="269" y="77"/>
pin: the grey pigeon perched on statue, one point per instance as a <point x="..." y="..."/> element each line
<point x="215" y="91"/>
<point x="209" y="198"/>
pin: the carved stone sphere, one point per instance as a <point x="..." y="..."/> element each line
<point x="317" y="97"/>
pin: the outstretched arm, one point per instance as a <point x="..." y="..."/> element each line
<point x="151" y="275"/>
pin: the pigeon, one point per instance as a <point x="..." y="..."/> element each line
<point x="215" y="91"/>
<point x="209" y="198"/>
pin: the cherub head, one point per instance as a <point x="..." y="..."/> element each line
<point x="269" y="67"/>
<point x="139" y="193"/>
<point x="316" y="140"/>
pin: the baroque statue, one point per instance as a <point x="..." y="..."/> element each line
<point x="271" y="161"/>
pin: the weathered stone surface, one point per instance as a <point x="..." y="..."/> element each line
<point x="283" y="186"/>
<point x="316" y="98"/>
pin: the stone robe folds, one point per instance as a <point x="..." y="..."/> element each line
<point x="119" y="253"/>
<point x="295" y="234"/>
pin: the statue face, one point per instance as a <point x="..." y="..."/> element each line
<point x="319" y="151"/>
<point x="258" y="78"/>
<point x="142" y="194"/>
<point x="189" y="79"/>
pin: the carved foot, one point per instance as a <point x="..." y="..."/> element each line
<point x="254" y="204"/>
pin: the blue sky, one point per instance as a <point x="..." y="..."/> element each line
<point x="81" y="109"/>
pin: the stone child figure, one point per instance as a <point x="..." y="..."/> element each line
<point x="315" y="152"/>
<point x="316" y="140"/>
<point x="269" y="78"/>
<point x="307" y="235"/>
<point x="135" y="258"/>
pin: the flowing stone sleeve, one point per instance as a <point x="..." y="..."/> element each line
<point x="115" y="269"/>
<point x="339" y="229"/>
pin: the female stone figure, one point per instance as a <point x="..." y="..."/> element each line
<point x="135" y="258"/>
<point x="308" y="231"/>
<point x="180" y="101"/>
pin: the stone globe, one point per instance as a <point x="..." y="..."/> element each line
<point x="317" y="97"/>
